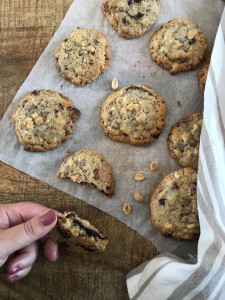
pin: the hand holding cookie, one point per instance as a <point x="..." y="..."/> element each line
<point x="21" y="226"/>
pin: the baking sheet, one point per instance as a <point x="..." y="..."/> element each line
<point x="130" y="64"/>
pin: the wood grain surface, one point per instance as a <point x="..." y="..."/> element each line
<point x="26" y="27"/>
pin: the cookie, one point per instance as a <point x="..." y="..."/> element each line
<point x="90" y="167"/>
<point x="83" y="56"/>
<point x="76" y="234"/>
<point x="173" y="205"/>
<point x="131" y="18"/>
<point x="203" y="72"/>
<point x="184" y="139"/>
<point x="44" y="119"/>
<point x="179" y="45"/>
<point x="133" y="115"/>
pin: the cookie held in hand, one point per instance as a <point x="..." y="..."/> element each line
<point x="133" y="115"/>
<point x="131" y="18"/>
<point x="173" y="205"/>
<point x="83" y="56"/>
<point x="89" y="167"/>
<point x="44" y="119"/>
<point x="179" y="45"/>
<point x="77" y="234"/>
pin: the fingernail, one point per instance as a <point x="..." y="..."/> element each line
<point x="48" y="218"/>
<point x="57" y="256"/>
<point x="16" y="269"/>
<point x="14" y="278"/>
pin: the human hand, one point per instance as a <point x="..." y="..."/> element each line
<point x="21" y="226"/>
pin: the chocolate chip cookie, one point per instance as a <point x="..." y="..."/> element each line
<point x="89" y="167"/>
<point x="203" y="72"/>
<point x="76" y="234"/>
<point x="173" y="205"/>
<point x="133" y="115"/>
<point x="184" y="139"/>
<point x="179" y="45"/>
<point x="131" y="18"/>
<point x="83" y="56"/>
<point x="44" y="119"/>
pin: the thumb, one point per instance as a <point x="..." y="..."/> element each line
<point x="20" y="236"/>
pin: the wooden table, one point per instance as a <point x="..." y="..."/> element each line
<point x="26" y="27"/>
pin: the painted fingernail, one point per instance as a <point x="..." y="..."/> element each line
<point x="14" y="278"/>
<point x="16" y="269"/>
<point x="48" y="218"/>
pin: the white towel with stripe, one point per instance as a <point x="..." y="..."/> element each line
<point x="167" y="276"/>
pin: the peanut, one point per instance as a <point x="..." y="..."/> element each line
<point x="126" y="208"/>
<point x="138" y="197"/>
<point x="114" y="84"/>
<point x="195" y="126"/>
<point x="139" y="177"/>
<point x="91" y="49"/>
<point x="176" y="175"/>
<point x="190" y="35"/>
<point x="154" y="166"/>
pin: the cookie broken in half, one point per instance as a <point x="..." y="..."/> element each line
<point x="77" y="234"/>
<point x="87" y="166"/>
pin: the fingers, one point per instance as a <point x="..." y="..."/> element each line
<point x="20" y="236"/>
<point x="51" y="250"/>
<point x="6" y="261"/>
<point x="25" y="259"/>
<point x="17" y="213"/>
<point x="19" y="266"/>
<point x="19" y="275"/>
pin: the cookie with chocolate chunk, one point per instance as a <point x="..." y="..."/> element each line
<point x="131" y="18"/>
<point x="203" y="72"/>
<point x="184" y="139"/>
<point x="44" y="119"/>
<point x="133" y="115"/>
<point x="89" y="167"/>
<point x="83" y="56"/>
<point x="179" y="45"/>
<point x="173" y="205"/>
<point x="77" y="234"/>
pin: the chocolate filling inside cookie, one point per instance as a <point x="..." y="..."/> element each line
<point x="75" y="233"/>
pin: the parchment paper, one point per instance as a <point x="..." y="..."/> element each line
<point x="131" y="64"/>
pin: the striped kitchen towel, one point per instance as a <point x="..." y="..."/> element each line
<point x="167" y="276"/>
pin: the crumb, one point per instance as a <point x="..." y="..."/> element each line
<point x="143" y="76"/>
<point x="154" y="166"/>
<point x="178" y="103"/>
<point x="74" y="142"/>
<point x="159" y="174"/>
<point x="68" y="151"/>
<point x="153" y="74"/>
<point x="61" y="86"/>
